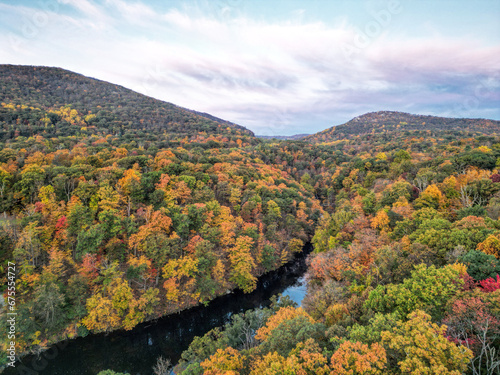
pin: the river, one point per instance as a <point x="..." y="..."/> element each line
<point x="136" y="351"/>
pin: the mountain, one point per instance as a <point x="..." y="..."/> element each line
<point x="294" y="137"/>
<point x="101" y="107"/>
<point x="384" y="122"/>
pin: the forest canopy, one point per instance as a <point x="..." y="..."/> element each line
<point x="118" y="208"/>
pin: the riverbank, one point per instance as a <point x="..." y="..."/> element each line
<point x="136" y="351"/>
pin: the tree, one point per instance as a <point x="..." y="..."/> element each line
<point x="239" y="333"/>
<point x="418" y="346"/>
<point x="273" y="211"/>
<point x="490" y="284"/>
<point x="305" y="359"/>
<point x="392" y="193"/>
<point x="89" y="241"/>
<point x="155" y="239"/>
<point x="5" y="180"/>
<point x="243" y="264"/>
<point x="356" y="358"/>
<point x="32" y="178"/>
<point x="163" y="366"/>
<point x="285" y="329"/>
<point x="380" y="221"/>
<point x="200" y="349"/>
<point x="77" y="293"/>
<point x="428" y="288"/>
<point x="430" y="197"/>
<point x="139" y="309"/>
<point x="102" y="317"/>
<point x="49" y="301"/>
<point x="285" y="313"/>
<point x="115" y="306"/>
<point x="327" y="234"/>
<point x="371" y="333"/>
<point x="140" y="270"/>
<point x="180" y="278"/>
<point x="491" y="246"/>
<point x="130" y="186"/>
<point x="480" y="265"/>
<point x="224" y="362"/>
<point x="473" y="324"/>
<point x="29" y="247"/>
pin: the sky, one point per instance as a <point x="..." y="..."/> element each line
<point x="277" y="67"/>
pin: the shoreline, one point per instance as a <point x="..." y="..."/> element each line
<point x="39" y="360"/>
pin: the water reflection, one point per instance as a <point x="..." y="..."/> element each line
<point x="297" y="291"/>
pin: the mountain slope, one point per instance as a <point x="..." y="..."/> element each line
<point x="384" y="122"/>
<point x="102" y="105"/>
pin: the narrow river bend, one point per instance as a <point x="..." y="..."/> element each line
<point x="136" y="351"/>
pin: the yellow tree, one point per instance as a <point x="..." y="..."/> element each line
<point x="356" y="358"/>
<point x="243" y="264"/>
<point x="102" y="317"/>
<point x="381" y="221"/>
<point x="224" y="362"/>
<point x="180" y="276"/>
<point x="431" y="197"/>
<point x="129" y="184"/>
<point x="422" y="349"/>
<point x="140" y="308"/>
<point x="107" y="308"/>
<point x="491" y="245"/>
<point x="109" y="199"/>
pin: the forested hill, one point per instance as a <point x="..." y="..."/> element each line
<point x="384" y="122"/>
<point x="118" y="209"/>
<point x="99" y="107"/>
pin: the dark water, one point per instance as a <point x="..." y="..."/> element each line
<point x="136" y="351"/>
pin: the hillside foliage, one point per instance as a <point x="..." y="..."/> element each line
<point x="119" y="209"/>
<point x="404" y="278"/>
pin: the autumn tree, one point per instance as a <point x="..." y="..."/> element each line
<point x="305" y="359"/>
<point x="473" y="323"/>
<point x="490" y="245"/>
<point x="357" y="358"/>
<point x="224" y="362"/>
<point x="130" y="186"/>
<point x="428" y="288"/>
<point x="418" y="346"/>
<point x="243" y="264"/>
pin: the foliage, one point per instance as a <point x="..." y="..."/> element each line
<point x="119" y="209"/>
<point x="419" y="347"/>
<point x="480" y="265"/>
<point x="428" y="288"/>
<point x="358" y="358"/>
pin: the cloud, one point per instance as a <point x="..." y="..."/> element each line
<point x="278" y="77"/>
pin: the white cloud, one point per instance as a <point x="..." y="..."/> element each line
<point x="283" y="77"/>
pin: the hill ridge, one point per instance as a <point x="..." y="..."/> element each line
<point x="393" y="121"/>
<point x="54" y="87"/>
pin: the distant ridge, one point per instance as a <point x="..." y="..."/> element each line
<point x="116" y="107"/>
<point x="390" y="121"/>
<point x="283" y="137"/>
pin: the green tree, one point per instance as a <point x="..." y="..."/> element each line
<point x="50" y="302"/>
<point x="480" y="266"/>
<point x="428" y="288"/>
